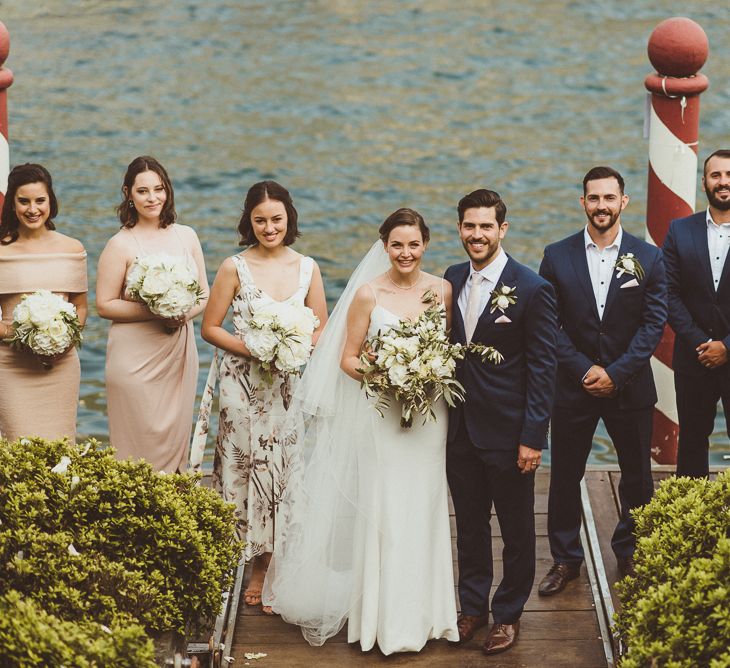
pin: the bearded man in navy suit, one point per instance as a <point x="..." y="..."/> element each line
<point x="695" y="252"/>
<point x="611" y="291"/>
<point x="496" y="437"/>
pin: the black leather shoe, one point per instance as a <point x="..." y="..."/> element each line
<point x="557" y="577"/>
<point x="626" y="566"/>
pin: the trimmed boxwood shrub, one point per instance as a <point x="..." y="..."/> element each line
<point x="30" y="636"/>
<point x="104" y="538"/>
<point x="676" y="611"/>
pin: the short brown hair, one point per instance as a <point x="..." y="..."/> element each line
<point x="720" y="153"/>
<point x="603" y="173"/>
<point x="22" y="175"/>
<point x="260" y="192"/>
<point x="403" y="217"/>
<point x="483" y="198"/>
<point x="128" y="215"/>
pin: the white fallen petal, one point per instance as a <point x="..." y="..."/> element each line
<point x="86" y="449"/>
<point x="254" y="655"/>
<point x="228" y="659"/>
<point x="106" y="629"/>
<point x="72" y="550"/>
<point x="19" y="555"/>
<point x="24" y="441"/>
<point x="75" y="481"/>
<point x="62" y="466"/>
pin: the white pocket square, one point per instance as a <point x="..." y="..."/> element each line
<point x="630" y="284"/>
<point x="502" y="318"/>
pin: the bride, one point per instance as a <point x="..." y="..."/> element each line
<point x="366" y="539"/>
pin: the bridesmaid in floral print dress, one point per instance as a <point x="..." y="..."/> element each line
<point x="247" y="468"/>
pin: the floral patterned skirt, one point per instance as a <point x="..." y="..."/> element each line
<point x="248" y="468"/>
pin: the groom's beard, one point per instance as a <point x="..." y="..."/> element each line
<point x="715" y="201"/>
<point x="484" y="256"/>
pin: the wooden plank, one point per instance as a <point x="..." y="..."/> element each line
<point x="439" y="653"/>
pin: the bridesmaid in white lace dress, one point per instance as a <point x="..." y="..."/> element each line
<point x="248" y="468"/>
<point x="151" y="362"/>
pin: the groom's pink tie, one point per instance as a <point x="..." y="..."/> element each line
<point x="472" y="305"/>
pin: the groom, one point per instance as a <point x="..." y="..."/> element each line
<point x="497" y="436"/>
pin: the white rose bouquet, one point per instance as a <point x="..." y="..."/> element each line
<point x="46" y="324"/>
<point x="279" y="335"/>
<point x="415" y="364"/>
<point x="165" y="284"/>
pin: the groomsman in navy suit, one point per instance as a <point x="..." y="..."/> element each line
<point x="611" y="291"/>
<point x="695" y="252"/>
<point x="496" y="437"/>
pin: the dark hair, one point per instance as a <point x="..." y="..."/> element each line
<point x="22" y="175"/>
<point x="483" y="198"/>
<point x="720" y="153"/>
<point x="603" y="173"/>
<point x="403" y="217"/>
<point x="128" y="215"/>
<point x="260" y="192"/>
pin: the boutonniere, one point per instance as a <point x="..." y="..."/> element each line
<point x="502" y="297"/>
<point x="628" y="264"/>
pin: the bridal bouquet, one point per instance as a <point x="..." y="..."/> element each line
<point x="279" y="335"/>
<point x="415" y="363"/>
<point x="165" y="284"/>
<point x="45" y="324"/>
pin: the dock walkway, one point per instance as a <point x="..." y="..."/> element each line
<point x="561" y="630"/>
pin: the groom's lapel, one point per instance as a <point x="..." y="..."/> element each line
<point x="508" y="277"/>
<point x="457" y="320"/>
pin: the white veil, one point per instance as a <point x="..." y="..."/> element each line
<point x="310" y="579"/>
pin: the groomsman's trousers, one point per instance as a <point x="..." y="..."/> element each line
<point x="570" y="444"/>
<point x="697" y="398"/>
<point x="477" y="479"/>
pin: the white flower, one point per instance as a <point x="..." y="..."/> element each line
<point x="506" y="290"/>
<point x="261" y="343"/>
<point x="106" y="629"/>
<point x="502" y="302"/>
<point x="62" y="466"/>
<point x="629" y="265"/>
<point x="73" y="551"/>
<point x="75" y="481"/>
<point x="398" y="373"/>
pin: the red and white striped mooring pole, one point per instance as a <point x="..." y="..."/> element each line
<point x="677" y="48"/>
<point x="6" y="78"/>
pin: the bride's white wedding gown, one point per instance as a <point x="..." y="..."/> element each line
<point x="402" y="568"/>
<point x="364" y="536"/>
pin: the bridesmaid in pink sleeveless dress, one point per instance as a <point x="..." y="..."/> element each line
<point x="37" y="400"/>
<point x="247" y="469"/>
<point x="151" y="373"/>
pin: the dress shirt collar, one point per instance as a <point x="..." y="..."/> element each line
<point x="711" y="222"/>
<point x="494" y="269"/>
<point x="590" y="243"/>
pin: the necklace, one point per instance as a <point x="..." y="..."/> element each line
<point x="400" y="287"/>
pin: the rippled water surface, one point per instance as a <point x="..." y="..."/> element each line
<point x="358" y="108"/>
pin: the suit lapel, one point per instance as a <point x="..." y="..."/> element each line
<point x="457" y="319"/>
<point x="580" y="267"/>
<point x="698" y="232"/>
<point x="627" y="246"/>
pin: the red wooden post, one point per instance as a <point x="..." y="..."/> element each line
<point x="6" y="78"/>
<point x="677" y="48"/>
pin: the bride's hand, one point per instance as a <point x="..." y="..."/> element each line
<point x="370" y="354"/>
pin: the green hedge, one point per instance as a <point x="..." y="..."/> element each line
<point x="30" y="636"/>
<point x="108" y="539"/>
<point x="676" y="611"/>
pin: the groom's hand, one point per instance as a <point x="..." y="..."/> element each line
<point x="528" y="459"/>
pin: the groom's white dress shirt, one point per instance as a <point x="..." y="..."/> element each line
<point x="491" y="274"/>
<point x="601" y="264"/>
<point x="718" y="238"/>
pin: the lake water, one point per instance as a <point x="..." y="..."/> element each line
<point x="358" y="108"/>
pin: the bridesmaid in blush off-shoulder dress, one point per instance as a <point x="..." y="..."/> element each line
<point x="152" y="362"/>
<point x="37" y="399"/>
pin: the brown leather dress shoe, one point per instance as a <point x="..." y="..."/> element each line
<point x="557" y="577"/>
<point x="501" y="637"/>
<point x="626" y="566"/>
<point x="468" y="624"/>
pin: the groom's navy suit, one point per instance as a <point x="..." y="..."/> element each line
<point x="698" y="311"/>
<point x="622" y="342"/>
<point x="506" y="405"/>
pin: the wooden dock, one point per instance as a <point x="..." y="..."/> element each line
<point x="562" y="630"/>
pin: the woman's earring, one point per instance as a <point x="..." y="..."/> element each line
<point x="131" y="204"/>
